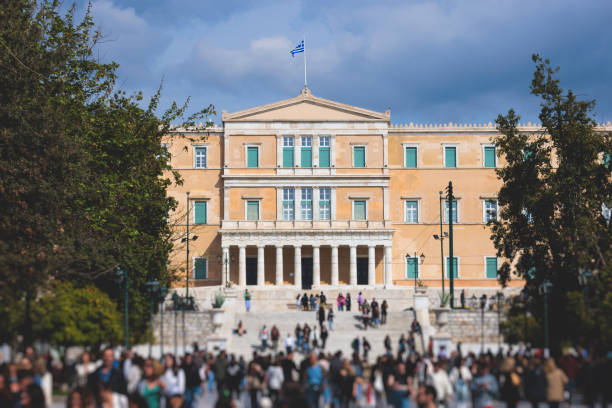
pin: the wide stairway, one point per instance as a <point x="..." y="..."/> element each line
<point x="347" y="326"/>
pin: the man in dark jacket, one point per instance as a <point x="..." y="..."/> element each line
<point x="192" y="380"/>
<point x="108" y="374"/>
<point x="220" y="369"/>
<point x="535" y="383"/>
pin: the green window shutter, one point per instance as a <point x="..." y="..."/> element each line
<point x="359" y="156"/>
<point x="450" y="156"/>
<point x="412" y="269"/>
<point x="200" y="268"/>
<point x="489" y="156"/>
<point x="287" y="156"/>
<point x="306" y="157"/>
<point x="359" y="210"/>
<point x="252" y="156"/>
<point x="200" y="212"/>
<point x="253" y="210"/>
<point x="411" y="157"/>
<point x="491" y="267"/>
<point x="324" y="157"/>
<point x="455" y="267"/>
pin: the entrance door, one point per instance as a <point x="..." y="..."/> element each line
<point x="251" y="271"/>
<point x="306" y="273"/>
<point x="362" y="271"/>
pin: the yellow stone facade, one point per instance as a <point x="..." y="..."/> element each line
<point x="325" y="243"/>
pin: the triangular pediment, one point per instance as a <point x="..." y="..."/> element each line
<point x="306" y="108"/>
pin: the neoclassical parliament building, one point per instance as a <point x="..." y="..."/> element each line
<point x="309" y="193"/>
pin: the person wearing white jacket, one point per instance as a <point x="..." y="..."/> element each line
<point x="275" y="379"/>
<point x="174" y="378"/>
<point x="440" y="381"/>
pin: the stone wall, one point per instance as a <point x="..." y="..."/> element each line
<point x="466" y="326"/>
<point x="198" y="328"/>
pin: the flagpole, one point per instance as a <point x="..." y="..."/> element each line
<point x="305" y="81"/>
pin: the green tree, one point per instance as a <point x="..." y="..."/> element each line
<point x="552" y="225"/>
<point x="83" y="173"/>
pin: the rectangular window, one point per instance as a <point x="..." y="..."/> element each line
<point x="288" y="204"/>
<point x="489" y="156"/>
<point x="306" y="203"/>
<point x="306" y="151"/>
<point x="491" y="265"/>
<point x="455" y="267"/>
<point x="412" y="212"/>
<point x="199" y="212"/>
<point x="450" y="156"/>
<point x="288" y="151"/>
<point x="455" y="212"/>
<point x="252" y="156"/>
<point x="200" y="268"/>
<point x="325" y="203"/>
<point x="360" y="210"/>
<point x="490" y="210"/>
<point x="359" y="156"/>
<point x="324" y="151"/>
<point x="411" y="157"/>
<point x="412" y="267"/>
<point x="200" y="157"/>
<point x="252" y="210"/>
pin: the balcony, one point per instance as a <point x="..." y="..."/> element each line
<point x="281" y="225"/>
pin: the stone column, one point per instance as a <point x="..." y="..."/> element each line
<point x="261" y="277"/>
<point x="371" y="265"/>
<point x="242" y="265"/>
<point x="225" y="262"/>
<point x="297" y="267"/>
<point x="388" y="268"/>
<point x="279" y="266"/>
<point x="316" y="267"/>
<point x="353" y="265"/>
<point x="334" y="265"/>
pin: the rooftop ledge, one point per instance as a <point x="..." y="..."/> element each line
<point x="306" y="225"/>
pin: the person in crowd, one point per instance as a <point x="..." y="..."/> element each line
<point x="133" y="373"/>
<point x="460" y="377"/>
<point x="5" y="392"/>
<point x="510" y="383"/>
<point x="401" y="347"/>
<point x="44" y="379"/>
<point x="174" y="379"/>
<point x="323" y="299"/>
<point x="365" y="315"/>
<point x="299" y="333"/>
<point x="347" y="302"/>
<point x="289" y="343"/>
<point x="193" y="381"/>
<point x="219" y="369"/>
<point x="108" y="373"/>
<point x="330" y="318"/>
<point x="366" y="347"/>
<point x="439" y="379"/>
<point x="426" y="397"/>
<point x="387" y="344"/>
<point x="324" y="335"/>
<point x="375" y="313"/>
<point x="359" y="301"/>
<point x="151" y="387"/>
<point x="33" y="396"/>
<point x="274" y="379"/>
<point x="321" y="316"/>
<point x="556" y="381"/>
<point x="314" y="338"/>
<point x="356" y="345"/>
<point x="306" y="339"/>
<point x="305" y="302"/>
<point x="399" y="383"/>
<point x="263" y="337"/>
<point x="255" y="383"/>
<point x="85" y="368"/>
<point x="340" y="302"/>
<point x="462" y="297"/>
<point x="247" y="300"/>
<point x="298" y="303"/>
<point x="314" y="381"/>
<point x="234" y="375"/>
<point x="275" y="337"/>
<point x="317" y="302"/>
<point x="384" y="308"/>
<point x="311" y="302"/>
<point x="240" y="330"/>
<point x="484" y="387"/>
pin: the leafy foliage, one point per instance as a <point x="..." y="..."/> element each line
<point x="551" y="225"/>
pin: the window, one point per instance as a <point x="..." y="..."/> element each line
<point x="325" y="203"/>
<point x="288" y="204"/>
<point x="252" y="210"/>
<point x="199" y="212"/>
<point x="490" y="210"/>
<point x="359" y="156"/>
<point x="306" y="203"/>
<point x="412" y="267"/>
<point x="200" y="268"/>
<point x="489" y="156"/>
<point x="324" y="149"/>
<point x="450" y="156"/>
<point x="252" y="156"/>
<point x="200" y="157"/>
<point x="306" y="151"/>
<point x="412" y="212"/>
<point x="288" y="151"/>
<point x="360" y="210"/>
<point x="455" y="211"/>
<point x="491" y="267"/>
<point x="411" y="157"/>
<point x="455" y="267"/>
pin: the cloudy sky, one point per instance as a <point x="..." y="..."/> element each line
<point x="428" y="61"/>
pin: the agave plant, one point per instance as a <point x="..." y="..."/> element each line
<point x="218" y="300"/>
<point x="444" y="299"/>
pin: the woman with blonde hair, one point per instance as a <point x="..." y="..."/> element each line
<point x="556" y="380"/>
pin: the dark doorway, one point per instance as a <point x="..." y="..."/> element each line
<point x="251" y="271"/>
<point x="362" y="271"/>
<point x="306" y="273"/>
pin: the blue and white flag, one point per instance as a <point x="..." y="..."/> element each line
<point x="299" y="48"/>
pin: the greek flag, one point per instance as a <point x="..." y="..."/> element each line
<point x="299" y="48"/>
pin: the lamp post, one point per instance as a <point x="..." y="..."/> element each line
<point x="152" y="288"/>
<point x="123" y="278"/>
<point x="419" y="261"/>
<point x="500" y="298"/>
<point x="163" y="291"/>
<point x="545" y="288"/>
<point x="441" y="238"/>
<point x="483" y="302"/>
<point x="450" y="198"/>
<point x="187" y="272"/>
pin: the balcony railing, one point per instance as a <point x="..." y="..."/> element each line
<point x="301" y="224"/>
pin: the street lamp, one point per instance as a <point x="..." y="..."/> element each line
<point x="419" y="260"/>
<point x="500" y="298"/>
<point x="163" y="291"/>
<point x="123" y="279"/>
<point x="441" y="238"/>
<point x="544" y="289"/>
<point x="483" y="303"/>
<point x="152" y="288"/>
